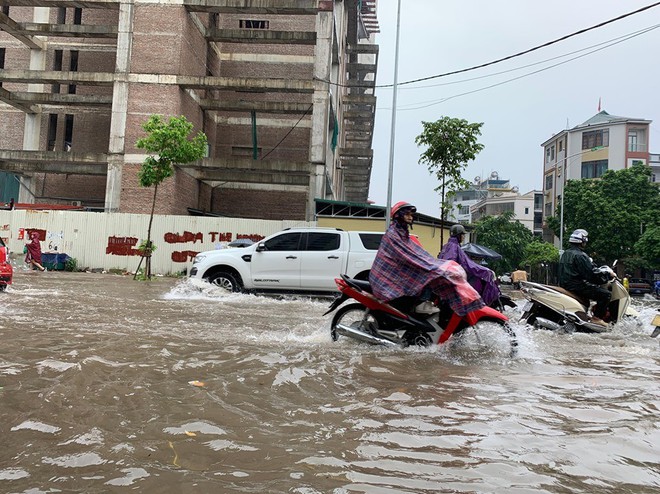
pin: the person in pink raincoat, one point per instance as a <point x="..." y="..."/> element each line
<point x="33" y="254"/>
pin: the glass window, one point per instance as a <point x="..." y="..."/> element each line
<point x="595" y="138"/>
<point x="371" y="241"/>
<point x="548" y="182"/>
<point x="594" y="169"/>
<point x="636" y="140"/>
<point x="548" y="209"/>
<point x="323" y="241"/>
<point x="286" y="241"/>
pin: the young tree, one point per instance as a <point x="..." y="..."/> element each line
<point x="505" y="235"/>
<point x="450" y="144"/>
<point x="168" y="145"/>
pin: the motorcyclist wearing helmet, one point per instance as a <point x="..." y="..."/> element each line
<point x="403" y="268"/>
<point x="480" y="277"/>
<point x="578" y="274"/>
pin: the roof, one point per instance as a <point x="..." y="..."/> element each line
<point x="603" y="118"/>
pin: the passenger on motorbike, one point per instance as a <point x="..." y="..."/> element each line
<point x="403" y="268"/>
<point x="480" y="277"/>
<point x="578" y="274"/>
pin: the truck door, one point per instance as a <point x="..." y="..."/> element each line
<point x="277" y="267"/>
<point x="323" y="260"/>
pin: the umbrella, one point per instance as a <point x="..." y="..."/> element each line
<point x="240" y="242"/>
<point x="477" y="250"/>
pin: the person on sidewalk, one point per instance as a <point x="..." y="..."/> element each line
<point x="33" y="255"/>
<point x="578" y="274"/>
<point x="403" y="268"/>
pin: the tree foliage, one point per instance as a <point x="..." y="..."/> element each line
<point x="616" y="210"/>
<point x="168" y="144"/>
<point x="505" y="235"/>
<point x="450" y="144"/>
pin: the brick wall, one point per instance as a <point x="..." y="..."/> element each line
<point x="268" y="205"/>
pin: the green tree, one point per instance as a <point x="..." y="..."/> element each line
<point x="615" y="209"/>
<point x="450" y="144"/>
<point x="168" y="144"/>
<point x="648" y="247"/>
<point x="505" y="235"/>
<point x="539" y="256"/>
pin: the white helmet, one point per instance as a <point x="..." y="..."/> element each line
<point x="579" y="236"/>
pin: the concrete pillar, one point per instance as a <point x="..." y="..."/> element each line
<point x="321" y="99"/>
<point x="116" y="146"/>
<point x="32" y="125"/>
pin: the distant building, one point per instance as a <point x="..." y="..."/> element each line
<point x="480" y="190"/>
<point x="492" y="197"/>
<point x="604" y="142"/>
<point x="527" y="208"/>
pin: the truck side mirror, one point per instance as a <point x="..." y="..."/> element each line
<point x="261" y="247"/>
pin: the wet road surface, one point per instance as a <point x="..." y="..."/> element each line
<point x="113" y="385"/>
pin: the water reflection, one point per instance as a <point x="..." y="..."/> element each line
<point x="110" y="384"/>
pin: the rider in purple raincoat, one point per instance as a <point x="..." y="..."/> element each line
<point x="480" y="277"/>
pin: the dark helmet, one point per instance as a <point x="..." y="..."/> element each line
<point x="400" y="207"/>
<point x="457" y="230"/>
<point x="579" y="236"/>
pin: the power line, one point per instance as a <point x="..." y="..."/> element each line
<point x="290" y="130"/>
<point x="436" y="102"/>
<point x="515" y="55"/>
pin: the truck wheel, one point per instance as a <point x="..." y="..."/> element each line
<point x="225" y="280"/>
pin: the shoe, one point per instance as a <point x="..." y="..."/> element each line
<point x="426" y="307"/>
<point x="599" y="321"/>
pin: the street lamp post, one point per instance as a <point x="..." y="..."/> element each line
<point x="563" y="193"/>
<point x="390" y="173"/>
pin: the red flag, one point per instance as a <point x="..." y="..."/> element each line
<point x="599" y="103"/>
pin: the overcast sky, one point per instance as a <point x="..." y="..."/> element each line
<point x="442" y="36"/>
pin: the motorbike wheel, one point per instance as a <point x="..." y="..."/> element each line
<point x="490" y="337"/>
<point x="353" y="315"/>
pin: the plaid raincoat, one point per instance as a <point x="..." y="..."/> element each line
<point x="404" y="268"/>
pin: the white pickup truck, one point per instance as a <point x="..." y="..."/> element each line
<point x="293" y="260"/>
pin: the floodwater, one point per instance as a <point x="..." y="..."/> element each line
<point x="114" y="385"/>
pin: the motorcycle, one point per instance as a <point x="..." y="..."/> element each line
<point x="6" y="270"/>
<point x="394" y="324"/>
<point x="656" y="323"/>
<point x="555" y="308"/>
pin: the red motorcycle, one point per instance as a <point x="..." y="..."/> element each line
<point x="6" y="271"/>
<point x="396" y="324"/>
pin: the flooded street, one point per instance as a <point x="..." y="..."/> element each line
<point x="114" y="385"/>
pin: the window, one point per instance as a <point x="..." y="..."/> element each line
<point x="636" y="140"/>
<point x="464" y="210"/>
<point x="252" y="24"/>
<point x="595" y="138"/>
<point x="548" y="209"/>
<point x="286" y="241"/>
<point x="371" y="241"/>
<point x="323" y="241"/>
<point x="526" y="210"/>
<point x="594" y="169"/>
<point x="547" y="155"/>
<point x="561" y="146"/>
<point x="548" y="182"/>
<point x="552" y="153"/>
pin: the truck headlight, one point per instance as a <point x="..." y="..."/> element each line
<point x="198" y="258"/>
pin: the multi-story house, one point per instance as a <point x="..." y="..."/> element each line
<point x="526" y="208"/>
<point x="283" y="89"/>
<point x="604" y="142"/>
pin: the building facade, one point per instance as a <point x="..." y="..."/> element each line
<point x="604" y="142"/>
<point x="527" y="208"/>
<point x="283" y="89"/>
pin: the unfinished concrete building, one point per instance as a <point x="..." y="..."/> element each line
<point x="283" y="89"/>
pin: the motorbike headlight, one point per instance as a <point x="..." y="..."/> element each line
<point x="198" y="258"/>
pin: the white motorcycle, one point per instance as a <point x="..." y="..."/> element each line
<point x="555" y="308"/>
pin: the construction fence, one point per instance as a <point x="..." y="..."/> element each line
<point x="111" y="240"/>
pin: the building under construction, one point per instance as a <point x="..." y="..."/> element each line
<point x="283" y="89"/>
